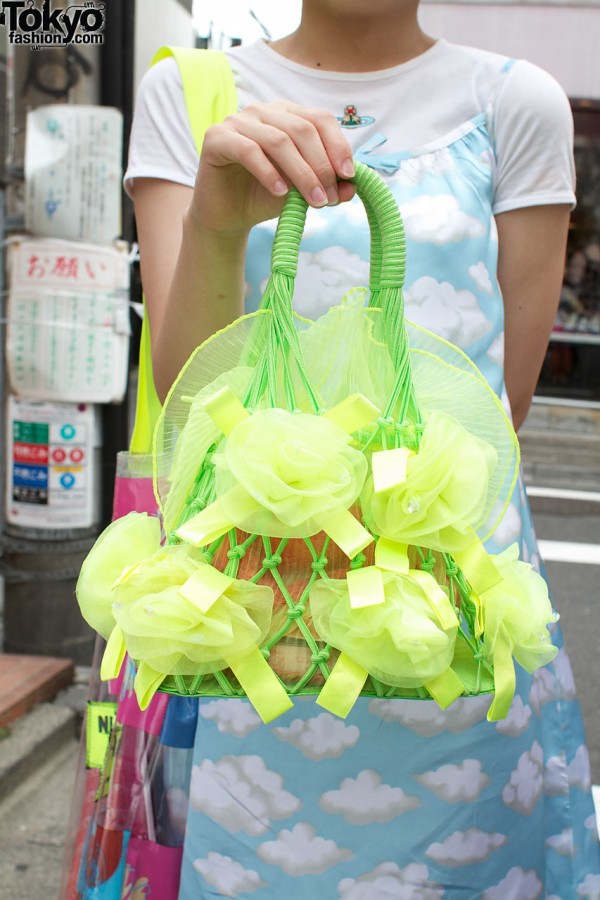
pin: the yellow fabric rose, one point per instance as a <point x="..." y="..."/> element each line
<point x="123" y="543"/>
<point x="518" y="611"/>
<point x="296" y="467"/>
<point x="442" y="494"/>
<point x="400" y="641"/>
<point x="180" y="631"/>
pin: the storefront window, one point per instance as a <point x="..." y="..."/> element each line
<point x="572" y="366"/>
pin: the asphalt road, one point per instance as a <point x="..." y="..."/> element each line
<point x="575" y="589"/>
<point x="34" y="818"/>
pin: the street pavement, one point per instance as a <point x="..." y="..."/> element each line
<point x="34" y="818"/>
<point x="33" y="826"/>
<point x="575" y="589"/>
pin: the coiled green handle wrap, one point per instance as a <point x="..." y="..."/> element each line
<point x="387" y="269"/>
<point x="388" y="246"/>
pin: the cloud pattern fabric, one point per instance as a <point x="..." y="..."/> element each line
<point x="402" y="799"/>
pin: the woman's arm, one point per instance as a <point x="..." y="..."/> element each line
<point x="193" y="241"/>
<point x="531" y="262"/>
<point x="193" y="281"/>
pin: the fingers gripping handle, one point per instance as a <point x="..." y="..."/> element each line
<point x="388" y="246"/>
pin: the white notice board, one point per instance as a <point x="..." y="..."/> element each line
<point x="73" y="172"/>
<point x="68" y="323"/>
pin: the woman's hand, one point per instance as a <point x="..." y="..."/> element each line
<point x="193" y="241"/>
<point x="249" y="161"/>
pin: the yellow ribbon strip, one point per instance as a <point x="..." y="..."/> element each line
<point x="345" y="531"/>
<point x="478" y="567"/>
<point x="483" y="575"/>
<point x="225" y="409"/>
<point x="212" y="523"/>
<point x="446" y="688"/>
<point x="392" y="555"/>
<point x="504" y="679"/>
<point x="437" y="598"/>
<point x="146" y="683"/>
<point x="114" y="654"/>
<point x="205" y="586"/>
<point x="264" y="690"/>
<point x="478" y="614"/>
<point x="365" y="587"/>
<point x="390" y="468"/>
<point x="205" y="527"/>
<point x="341" y="690"/>
<point x="352" y="413"/>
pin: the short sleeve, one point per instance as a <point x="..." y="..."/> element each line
<point x="161" y="144"/>
<point x="533" y="136"/>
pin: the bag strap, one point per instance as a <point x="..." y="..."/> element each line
<point x="210" y="96"/>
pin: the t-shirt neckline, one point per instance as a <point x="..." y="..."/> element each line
<point x="324" y="74"/>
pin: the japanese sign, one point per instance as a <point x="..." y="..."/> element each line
<point x="68" y="320"/>
<point x="73" y="172"/>
<point x="51" y="466"/>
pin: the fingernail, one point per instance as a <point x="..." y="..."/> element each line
<point x="280" y="188"/>
<point x="347" y="168"/>
<point x="332" y="196"/>
<point x="318" y="197"/>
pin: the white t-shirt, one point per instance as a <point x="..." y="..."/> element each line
<point x="415" y="105"/>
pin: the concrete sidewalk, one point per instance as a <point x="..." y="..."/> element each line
<point x="34" y="819"/>
<point x="39" y="755"/>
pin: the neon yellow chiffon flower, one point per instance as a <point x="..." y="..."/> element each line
<point x="407" y="640"/>
<point x="518" y="611"/>
<point x="182" y="617"/>
<point x="441" y="492"/>
<point x="123" y="543"/>
<point x="294" y="467"/>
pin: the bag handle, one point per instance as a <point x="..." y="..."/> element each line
<point x="387" y="269"/>
<point x="388" y="246"/>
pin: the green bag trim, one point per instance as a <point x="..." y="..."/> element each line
<point x="210" y="96"/>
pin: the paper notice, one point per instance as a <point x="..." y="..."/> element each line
<point x="52" y="471"/>
<point x="73" y="172"/>
<point x="68" y="320"/>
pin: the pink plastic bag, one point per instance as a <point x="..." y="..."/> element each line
<point x="151" y="871"/>
<point x="133" y="485"/>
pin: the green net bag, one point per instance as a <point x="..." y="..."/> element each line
<point x="325" y="490"/>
